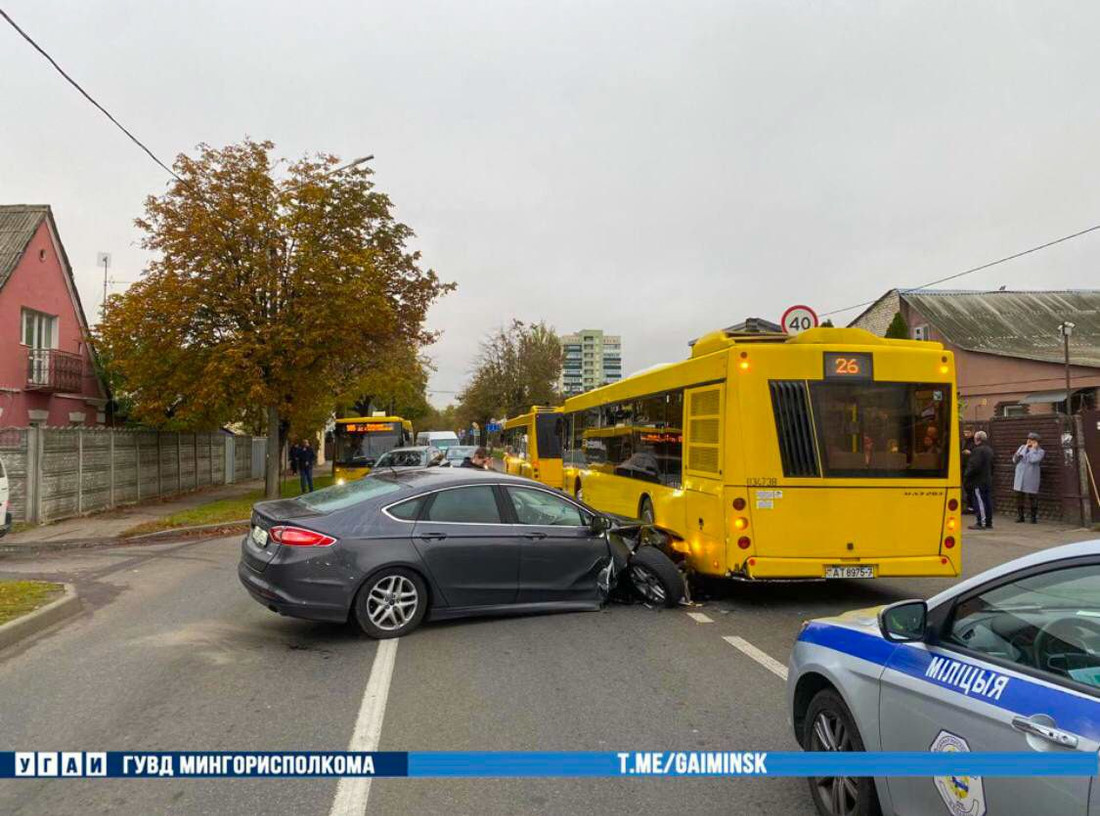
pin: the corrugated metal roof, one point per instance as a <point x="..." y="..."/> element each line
<point x="18" y="223"/>
<point x="1015" y="324"/>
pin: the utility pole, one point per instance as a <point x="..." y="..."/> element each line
<point x="1066" y="329"/>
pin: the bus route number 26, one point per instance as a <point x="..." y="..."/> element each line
<point x="847" y="366"/>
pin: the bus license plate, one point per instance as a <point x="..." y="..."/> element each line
<point x="849" y="572"/>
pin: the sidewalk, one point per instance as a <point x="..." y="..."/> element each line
<point x="1031" y="536"/>
<point x="110" y="525"/>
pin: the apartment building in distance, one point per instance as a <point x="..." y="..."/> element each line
<point x="590" y="359"/>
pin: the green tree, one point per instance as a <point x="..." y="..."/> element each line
<point x="516" y="367"/>
<point x="827" y="324"/>
<point x="266" y="295"/>
<point x="898" y="329"/>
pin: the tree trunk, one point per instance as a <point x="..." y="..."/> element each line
<point x="271" y="470"/>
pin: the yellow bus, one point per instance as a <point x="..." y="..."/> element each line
<point x="824" y="455"/>
<point x="532" y="445"/>
<point x="359" y="441"/>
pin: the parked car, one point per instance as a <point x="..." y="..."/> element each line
<point x="453" y="456"/>
<point x="1008" y="660"/>
<point x="437" y="439"/>
<point x="404" y="458"/>
<point x="393" y="548"/>
<point x="5" y="501"/>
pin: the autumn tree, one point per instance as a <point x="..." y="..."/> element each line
<point x="516" y="367"/>
<point x="268" y="291"/>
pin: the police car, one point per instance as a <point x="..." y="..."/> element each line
<point x="1006" y="661"/>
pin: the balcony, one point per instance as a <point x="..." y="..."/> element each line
<point x="53" y="370"/>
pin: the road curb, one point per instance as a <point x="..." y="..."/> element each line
<point x="42" y="618"/>
<point x="59" y="545"/>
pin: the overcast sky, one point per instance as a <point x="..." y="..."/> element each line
<point x="655" y="169"/>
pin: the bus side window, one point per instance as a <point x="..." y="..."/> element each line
<point x="672" y="458"/>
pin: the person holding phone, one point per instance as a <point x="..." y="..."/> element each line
<point x="1026" y="482"/>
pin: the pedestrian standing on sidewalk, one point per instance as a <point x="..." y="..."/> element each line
<point x="978" y="481"/>
<point x="1026" y="484"/>
<point x="306" y="457"/>
<point x="967" y="449"/>
<point x="295" y="450"/>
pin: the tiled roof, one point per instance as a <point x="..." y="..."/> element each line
<point x="18" y="223"/>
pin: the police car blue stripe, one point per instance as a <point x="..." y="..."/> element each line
<point x="976" y="680"/>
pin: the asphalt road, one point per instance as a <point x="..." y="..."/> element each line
<point x="171" y="654"/>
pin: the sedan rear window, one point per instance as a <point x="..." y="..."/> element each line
<point x="406" y="510"/>
<point x="338" y="497"/>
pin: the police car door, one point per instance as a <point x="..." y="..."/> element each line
<point x="1014" y="666"/>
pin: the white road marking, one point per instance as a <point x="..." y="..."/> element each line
<point x="699" y="617"/>
<point x="352" y="792"/>
<point x="764" y="659"/>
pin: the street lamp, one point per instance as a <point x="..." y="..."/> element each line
<point x="1066" y="329"/>
<point x="351" y="164"/>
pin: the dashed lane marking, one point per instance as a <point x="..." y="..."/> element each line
<point x="763" y="658"/>
<point x="699" y="617"/>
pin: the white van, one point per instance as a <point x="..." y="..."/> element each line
<point x="5" y="512"/>
<point x="437" y="439"/>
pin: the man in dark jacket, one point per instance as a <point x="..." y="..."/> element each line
<point x="479" y="460"/>
<point x="978" y="481"/>
<point x="306" y="457"/>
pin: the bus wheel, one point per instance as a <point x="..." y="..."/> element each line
<point x="645" y="511"/>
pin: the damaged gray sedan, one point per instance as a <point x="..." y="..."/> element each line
<point x="394" y="548"/>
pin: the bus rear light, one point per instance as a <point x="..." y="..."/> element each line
<point x="744" y="365"/>
<point x="943" y="560"/>
<point x="752" y="562"/>
<point x="944" y="369"/>
<point x="949" y="542"/>
<point x="740" y="523"/>
<point x="300" y="537"/>
<point x="953" y="505"/>
<point x="739" y="503"/>
<point x="744" y="542"/>
<point x="951" y="524"/>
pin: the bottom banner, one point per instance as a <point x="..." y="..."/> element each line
<point x="290" y="764"/>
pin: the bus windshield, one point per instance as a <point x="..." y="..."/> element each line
<point x="361" y="447"/>
<point x="548" y="430"/>
<point x="882" y="429"/>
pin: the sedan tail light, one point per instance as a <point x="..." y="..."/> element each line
<point x="300" y="537"/>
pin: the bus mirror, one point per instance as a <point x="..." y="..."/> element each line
<point x="904" y="622"/>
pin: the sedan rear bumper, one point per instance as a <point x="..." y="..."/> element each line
<point x="277" y="600"/>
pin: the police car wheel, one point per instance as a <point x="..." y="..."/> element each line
<point x="391" y="603"/>
<point x="828" y="726"/>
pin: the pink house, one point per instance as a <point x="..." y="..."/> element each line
<point x="46" y="372"/>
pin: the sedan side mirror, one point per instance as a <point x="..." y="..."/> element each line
<point x="904" y="622"/>
<point x="599" y="525"/>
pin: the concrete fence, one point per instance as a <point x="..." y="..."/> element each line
<point x="57" y="473"/>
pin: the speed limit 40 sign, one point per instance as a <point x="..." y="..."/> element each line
<point x="798" y="318"/>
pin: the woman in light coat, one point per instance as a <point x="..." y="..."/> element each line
<point x="1026" y="483"/>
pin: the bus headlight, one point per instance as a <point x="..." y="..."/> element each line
<point x="340" y="481"/>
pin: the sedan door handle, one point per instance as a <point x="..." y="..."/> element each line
<point x="433" y="536"/>
<point x="1046" y="732"/>
<point x="536" y="536"/>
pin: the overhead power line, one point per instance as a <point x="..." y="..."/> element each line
<point x="88" y="96"/>
<point x="1012" y="257"/>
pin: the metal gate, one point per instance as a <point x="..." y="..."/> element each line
<point x="1090" y="427"/>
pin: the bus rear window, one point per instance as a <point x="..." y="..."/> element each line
<point x="548" y="428"/>
<point x="876" y="429"/>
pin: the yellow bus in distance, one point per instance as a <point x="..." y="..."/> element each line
<point x="532" y="445"/>
<point x="825" y="455"/>
<point x="359" y="441"/>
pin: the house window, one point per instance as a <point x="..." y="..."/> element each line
<point x="920" y="332"/>
<point x="39" y="330"/>
<point x="1013" y="409"/>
